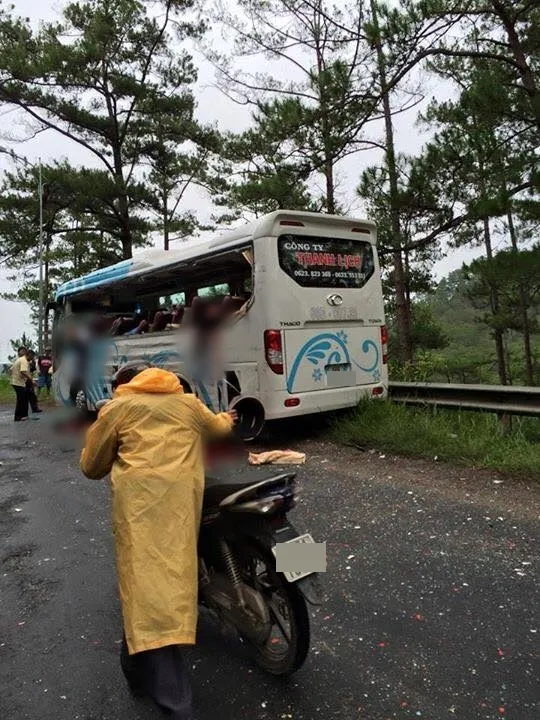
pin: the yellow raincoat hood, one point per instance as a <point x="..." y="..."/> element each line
<point x="149" y="437"/>
<point x="152" y="380"/>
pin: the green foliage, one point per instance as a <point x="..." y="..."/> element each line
<point x="426" y="335"/>
<point x="424" y="368"/>
<point x="502" y="34"/>
<point x="475" y="164"/>
<point x="416" y="212"/>
<point x="264" y="173"/>
<point x="469" y="354"/>
<point x="81" y="228"/>
<point x="510" y="272"/>
<point x="310" y="113"/>
<point x="105" y="77"/>
<point x="116" y="78"/>
<point x="6" y="391"/>
<point x="180" y="154"/>
<point x="448" y="435"/>
<point x="23" y="341"/>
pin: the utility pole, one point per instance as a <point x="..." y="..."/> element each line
<point x="41" y="294"/>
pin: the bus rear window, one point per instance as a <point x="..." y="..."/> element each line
<point x="326" y="262"/>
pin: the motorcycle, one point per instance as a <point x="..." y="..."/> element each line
<point x="244" y="518"/>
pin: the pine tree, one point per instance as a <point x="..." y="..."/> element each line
<point x="517" y="279"/>
<point x="317" y="103"/>
<point x="102" y="77"/>
<point x="23" y="341"/>
<point x="501" y="32"/>
<point x="81" y="228"/>
<point x="260" y="170"/>
<point x="478" y="165"/>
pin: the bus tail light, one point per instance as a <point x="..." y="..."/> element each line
<point x="292" y="402"/>
<point x="273" y="350"/>
<point x="384" y="344"/>
<point x="377" y="391"/>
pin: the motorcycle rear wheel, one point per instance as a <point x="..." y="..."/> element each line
<point x="286" y="654"/>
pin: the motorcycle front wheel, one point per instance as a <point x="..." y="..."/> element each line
<point x="287" y="646"/>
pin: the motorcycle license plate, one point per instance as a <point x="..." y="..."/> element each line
<point x="293" y="575"/>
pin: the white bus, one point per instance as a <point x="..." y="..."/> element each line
<point x="310" y="335"/>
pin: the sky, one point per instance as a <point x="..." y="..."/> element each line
<point x="213" y="107"/>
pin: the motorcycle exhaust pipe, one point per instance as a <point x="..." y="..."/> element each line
<point x="251" y="416"/>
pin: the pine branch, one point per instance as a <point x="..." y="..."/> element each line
<point x="450" y="224"/>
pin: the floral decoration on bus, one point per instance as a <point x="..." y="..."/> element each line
<point x="332" y="348"/>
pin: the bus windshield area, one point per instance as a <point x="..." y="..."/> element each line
<point x="171" y="297"/>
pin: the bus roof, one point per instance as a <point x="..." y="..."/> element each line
<point x="265" y="226"/>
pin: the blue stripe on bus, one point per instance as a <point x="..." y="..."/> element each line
<point x="96" y="278"/>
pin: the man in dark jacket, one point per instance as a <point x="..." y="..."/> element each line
<point x="30" y="391"/>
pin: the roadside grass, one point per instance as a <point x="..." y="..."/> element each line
<point x="7" y="394"/>
<point x="6" y="391"/>
<point x="468" y="438"/>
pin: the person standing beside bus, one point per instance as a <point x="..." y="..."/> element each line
<point x="44" y="371"/>
<point x="30" y="384"/>
<point x="20" y="374"/>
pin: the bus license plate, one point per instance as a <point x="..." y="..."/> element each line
<point x="340" y="376"/>
<point x="294" y="575"/>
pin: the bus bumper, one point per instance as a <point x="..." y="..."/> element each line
<point x="320" y="400"/>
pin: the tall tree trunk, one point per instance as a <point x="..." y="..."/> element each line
<point x="403" y="318"/>
<point x="46" y="289"/>
<point x="116" y="143"/>
<point x="326" y="129"/>
<point x="75" y="256"/>
<point x="495" y="307"/>
<point x="125" y="230"/>
<point x="506" y="340"/>
<point x="529" y="365"/>
<point x="407" y="268"/>
<point x="330" y="189"/>
<point x="165" y="221"/>
<point x="123" y="206"/>
<point x="102" y="261"/>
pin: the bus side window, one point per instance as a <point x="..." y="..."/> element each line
<point x="214" y="290"/>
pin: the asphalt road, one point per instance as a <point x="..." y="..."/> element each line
<point x="430" y="607"/>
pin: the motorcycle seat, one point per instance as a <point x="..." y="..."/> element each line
<point x="220" y="487"/>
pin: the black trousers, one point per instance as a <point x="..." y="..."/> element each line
<point x="21" y="403"/>
<point x="161" y="674"/>
<point x="32" y="398"/>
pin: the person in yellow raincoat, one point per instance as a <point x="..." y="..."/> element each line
<point x="149" y="437"/>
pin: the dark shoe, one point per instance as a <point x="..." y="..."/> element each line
<point x="37" y="410"/>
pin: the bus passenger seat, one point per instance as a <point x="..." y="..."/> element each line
<point x="177" y="315"/>
<point x="141" y="328"/>
<point x="160" y="322"/>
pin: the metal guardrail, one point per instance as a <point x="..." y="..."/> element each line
<point x="501" y="399"/>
